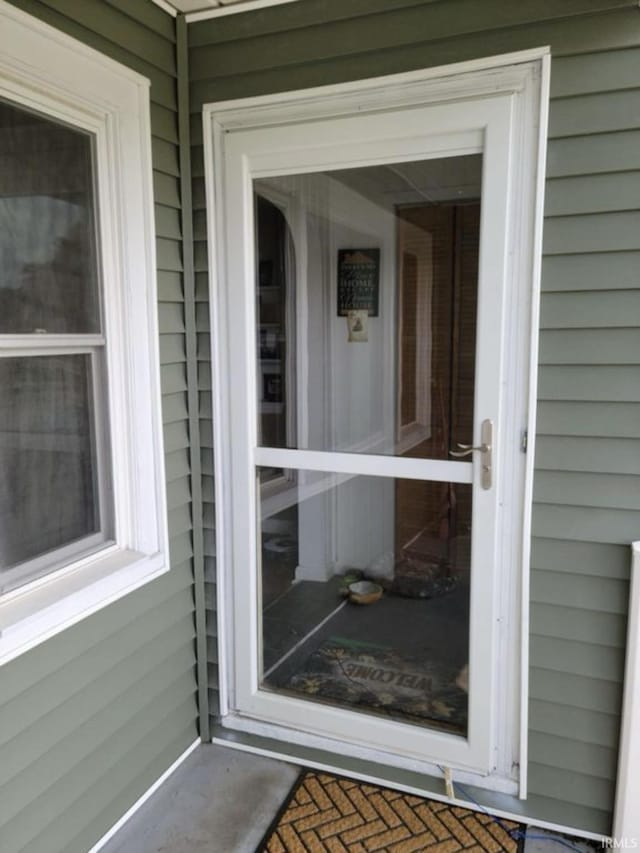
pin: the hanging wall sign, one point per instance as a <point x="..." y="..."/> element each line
<point x="358" y="281"/>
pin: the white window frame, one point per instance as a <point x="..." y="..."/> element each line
<point x="46" y="71"/>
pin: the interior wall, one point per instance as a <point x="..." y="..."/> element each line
<point x="359" y="401"/>
<point x="587" y="469"/>
<point x="90" y="719"/>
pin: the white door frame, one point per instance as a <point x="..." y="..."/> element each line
<point x="522" y="80"/>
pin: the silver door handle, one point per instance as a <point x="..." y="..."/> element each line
<point x="468" y="450"/>
<point x="485" y="449"/>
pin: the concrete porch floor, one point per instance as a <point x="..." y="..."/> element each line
<point x="221" y="800"/>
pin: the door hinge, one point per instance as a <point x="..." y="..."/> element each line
<point x="524" y="440"/>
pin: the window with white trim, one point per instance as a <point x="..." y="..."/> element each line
<point x="56" y="501"/>
<point x="82" y="503"/>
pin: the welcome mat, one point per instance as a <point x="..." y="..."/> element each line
<point x="327" y="813"/>
<point x="379" y="679"/>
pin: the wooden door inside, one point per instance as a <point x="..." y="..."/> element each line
<point x="437" y="306"/>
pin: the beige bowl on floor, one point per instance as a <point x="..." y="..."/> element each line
<point x="364" y="592"/>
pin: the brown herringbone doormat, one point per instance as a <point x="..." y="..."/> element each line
<point x="328" y="813"/>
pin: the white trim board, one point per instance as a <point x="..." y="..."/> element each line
<point x="126" y="817"/>
<point x="530" y="435"/>
<point x="63" y="40"/>
<point x="341" y="98"/>
<point x="233" y="8"/>
<point x="626" y="816"/>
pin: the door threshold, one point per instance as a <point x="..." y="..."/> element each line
<point x="292" y="738"/>
<point x="469" y="796"/>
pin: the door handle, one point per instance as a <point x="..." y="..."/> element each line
<point x="468" y="450"/>
<point x="485" y="449"/>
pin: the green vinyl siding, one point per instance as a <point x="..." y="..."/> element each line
<point x="586" y="346"/>
<point x="90" y="719"/>
<point x="592" y="193"/>
<point x="586" y="509"/>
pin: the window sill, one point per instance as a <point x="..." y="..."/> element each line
<point x="38" y="612"/>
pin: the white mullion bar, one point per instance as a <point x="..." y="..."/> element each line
<point x="35" y="344"/>
<point x="441" y="470"/>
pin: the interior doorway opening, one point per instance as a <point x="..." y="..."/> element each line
<point x="437" y="311"/>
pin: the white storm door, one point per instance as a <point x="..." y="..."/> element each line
<point x="362" y="265"/>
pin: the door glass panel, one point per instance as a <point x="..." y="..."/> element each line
<point x="366" y="289"/>
<point x="404" y="654"/>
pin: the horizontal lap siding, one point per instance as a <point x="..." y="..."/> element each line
<point x="90" y="719"/>
<point x="586" y="487"/>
